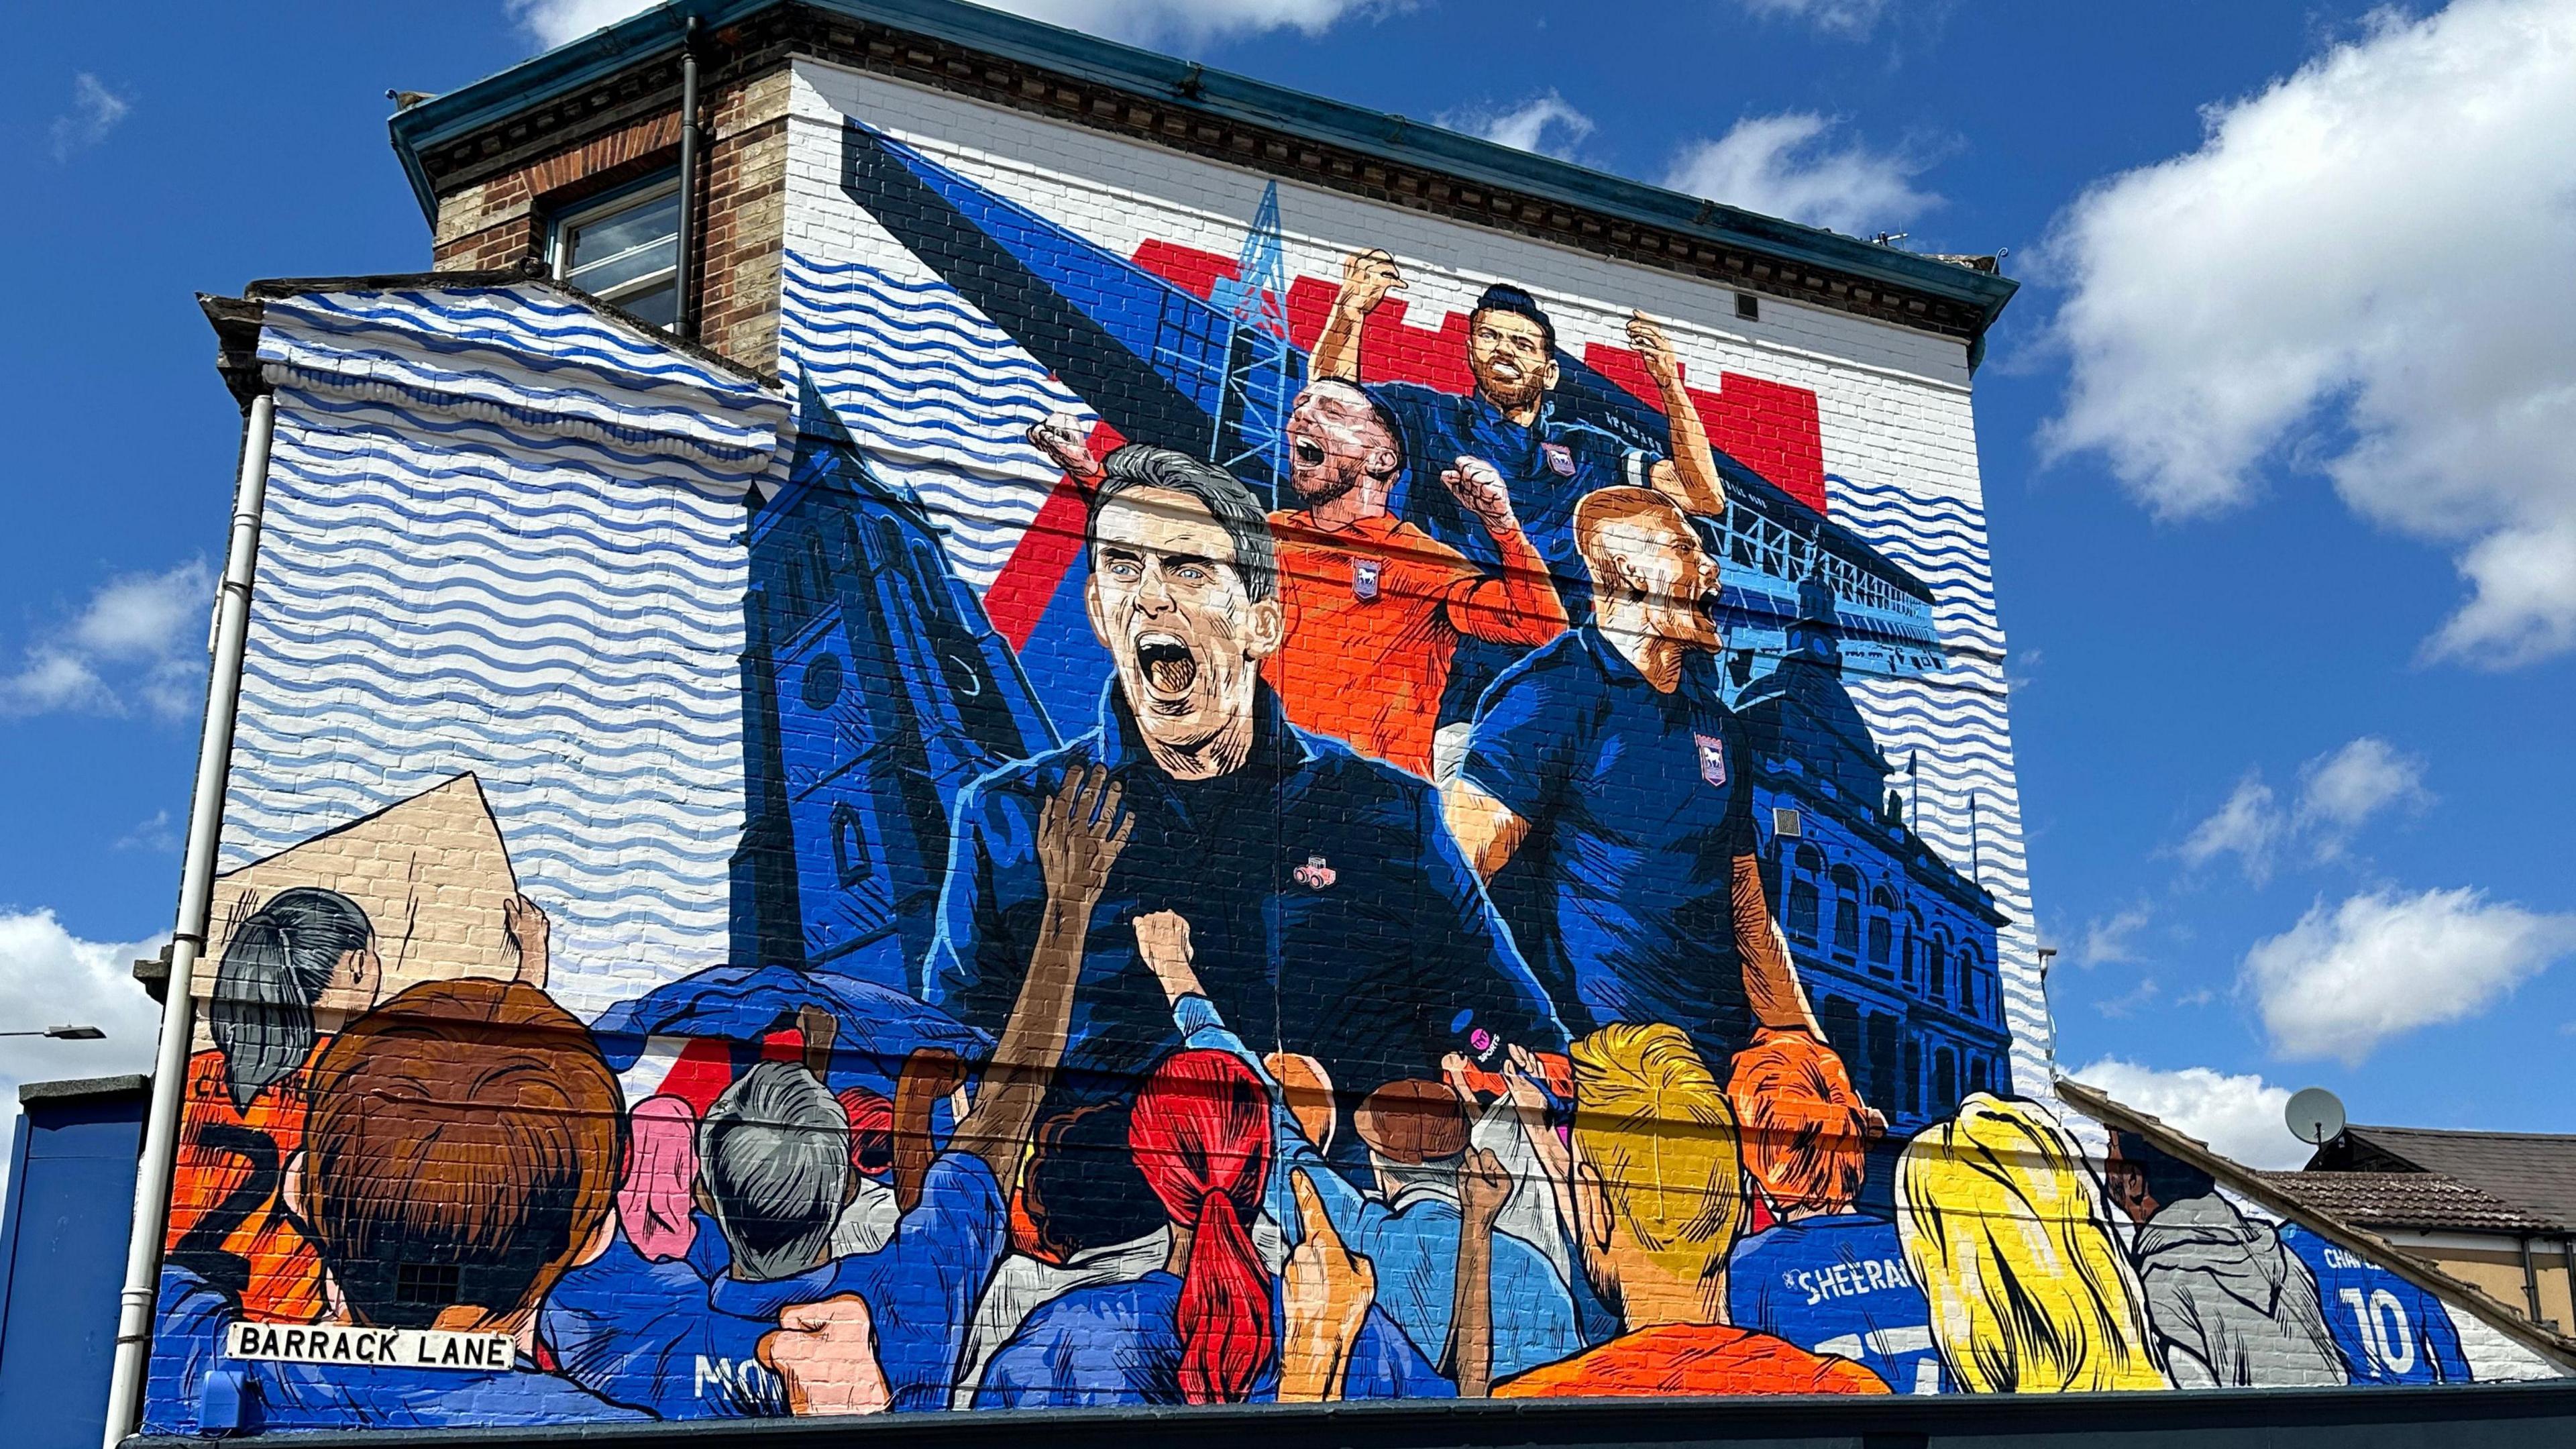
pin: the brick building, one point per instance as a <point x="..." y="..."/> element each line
<point x="964" y="719"/>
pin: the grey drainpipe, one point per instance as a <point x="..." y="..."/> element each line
<point x="2567" y="1265"/>
<point x="685" y="275"/>
<point x="2531" y="1281"/>
<point x="188" y="935"/>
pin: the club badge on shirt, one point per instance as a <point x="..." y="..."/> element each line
<point x="1712" y="759"/>
<point x="1560" y="459"/>
<point x="1364" y="575"/>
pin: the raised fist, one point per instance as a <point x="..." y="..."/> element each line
<point x="1479" y="486"/>
<point x="1367" y="276"/>
<point x="1484" y="1186"/>
<point x="1163" y="939"/>
<point x="1063" y="438"/>
<point x="825" y="1356"/>
<point x="1653" y="349"/>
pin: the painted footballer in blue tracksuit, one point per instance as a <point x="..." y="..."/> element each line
<point x="1838" y="1284"/>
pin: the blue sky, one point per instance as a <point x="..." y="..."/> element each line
<point x="2284" y="534"/>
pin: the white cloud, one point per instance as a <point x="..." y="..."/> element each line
<point x="1853" y="18"/>
<point x="552" y="22"/>
<point x="157" y="835"/>
<point x="1529" y="126"/>
<point x="2345" y="979"/>
<point x="2239" y="1117"/>
<point x="95" y="111"/>
<point x="132" y="648"/>
<point x="2127" y="1003"/>
<point x="2343" y="790"/>
<point x="2340" y="791"/>
<point x="2112" y="941"/>
<point x="2248" y="827"/>
<point x="1782" y="166"/>
<point x="2362" y="270"/>
<point x="49" y="977"/>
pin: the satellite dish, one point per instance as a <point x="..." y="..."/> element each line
<point x="2315" y="1116"/>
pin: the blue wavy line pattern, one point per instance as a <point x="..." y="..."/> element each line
<point x="515" y="331"/>
<point x="936" y="392"/>
<point x="359" y="418"/>
<point x="562" y="617"/>
<point x="1954" y="724"/>
<point x="556" y="409"/>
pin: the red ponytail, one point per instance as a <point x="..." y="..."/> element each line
<point x="1200" y="1133"/>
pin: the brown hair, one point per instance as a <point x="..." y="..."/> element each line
<point x="464" y="1144"/>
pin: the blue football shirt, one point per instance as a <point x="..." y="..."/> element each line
<point x="2390" y="1331"/>
<point x="1622" y="896"/>
<point x="1548" y="466"/>
<point x="1838" y="1284"/>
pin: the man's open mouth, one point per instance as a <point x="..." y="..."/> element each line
<point x="1170" y="669"/>
<point x="1307" y="452"/>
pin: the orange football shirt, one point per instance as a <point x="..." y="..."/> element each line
<point x="1374" y="614"/>
<point x="227" y="1197"/>
<point x="1691" y="1358"/>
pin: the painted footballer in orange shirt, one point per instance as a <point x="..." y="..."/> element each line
<point x="1375" y="610"/>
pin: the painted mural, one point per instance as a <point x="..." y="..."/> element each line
<point x="1148" y="829"/>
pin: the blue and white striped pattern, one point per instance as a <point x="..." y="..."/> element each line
<point x="526" y="357"/>
<point x="515" y="554"/>
<point x="1954" y="723"/>
<point x="938" y="396"/>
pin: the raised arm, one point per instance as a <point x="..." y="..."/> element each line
<point x="1690" y="477"/>
<point x="1325" y="1293"/>
<point x="1068" y="444"/>
<point x="1518" y="605"/>
<point x="1485" y="828"/>
<point x="1483" y="1187"/>
<point x="1080" y="833"/>
<point x="1163" y="941"/>
<point x="928" y="1076"/>
<point x="1771" y="982"/>
<point x="1555" y="1159"/>
<point x="1367" y="276"/>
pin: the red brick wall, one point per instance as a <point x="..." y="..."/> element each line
<point x="499" y="222"/>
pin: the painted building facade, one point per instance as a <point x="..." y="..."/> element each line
<point x="1199" y="753"/>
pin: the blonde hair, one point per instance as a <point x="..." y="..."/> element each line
<point x="2010" y="1240"/>
<point x="1651" y="1119"/>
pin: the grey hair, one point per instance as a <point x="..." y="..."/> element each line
<point x="275" y="967"/>
<point x="1440" y="1174"/>
<point x="1224" y="496"/>
<point x="774" y="1153"/>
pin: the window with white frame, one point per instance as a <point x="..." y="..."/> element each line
<point x="626" y="250"/>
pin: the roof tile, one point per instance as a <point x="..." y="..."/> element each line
<point x="2422" y="1200"/>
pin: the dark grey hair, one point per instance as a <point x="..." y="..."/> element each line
<point x="1232" y="505"/>
<point x="275" y="967"/>
<point x="774" y="1153"/>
